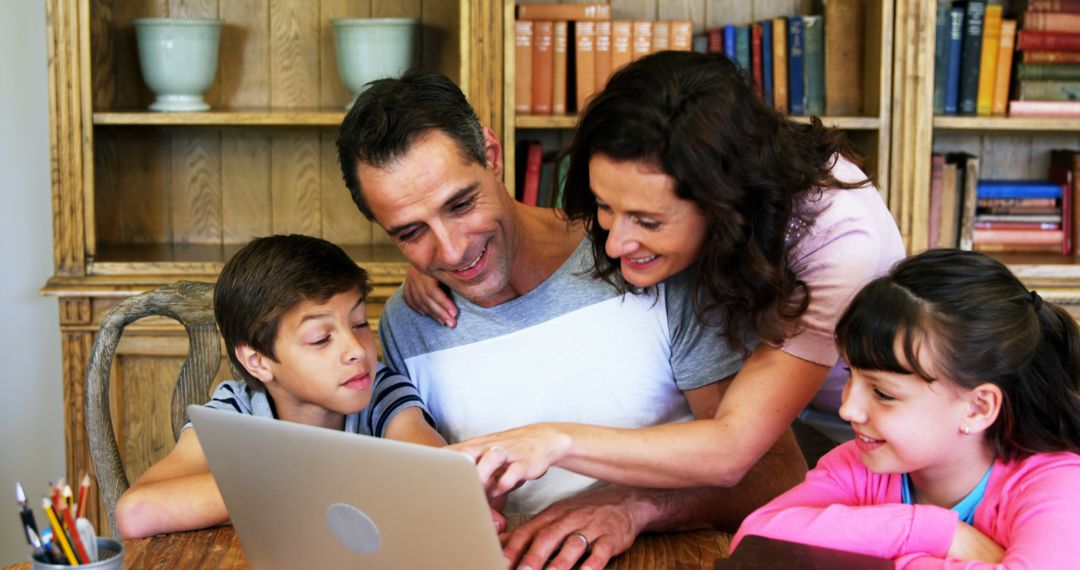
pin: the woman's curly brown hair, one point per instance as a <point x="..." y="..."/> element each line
<point x="751" y="171"/>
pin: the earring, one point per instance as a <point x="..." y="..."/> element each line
<point x="966" y="429"/>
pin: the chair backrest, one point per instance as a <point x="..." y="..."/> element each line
<point x="191" y="304"/>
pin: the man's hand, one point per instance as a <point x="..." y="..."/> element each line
<point x="605" y="517"/>
<point x="971" y="544"/>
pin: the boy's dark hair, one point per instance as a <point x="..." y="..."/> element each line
<point x="391" y="114"/>
<point x="268" y="277"/>
<point x="983" y="325"/>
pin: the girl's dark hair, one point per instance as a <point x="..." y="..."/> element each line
<point x="982" y="325"/>
<point x="697" y="118"/>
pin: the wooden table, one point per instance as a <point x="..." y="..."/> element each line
<point x="219" y="548"/>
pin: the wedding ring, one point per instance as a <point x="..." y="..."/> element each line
<point x="582" y="537"/>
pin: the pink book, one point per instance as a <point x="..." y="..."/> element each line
<point x="1044" y="108"/>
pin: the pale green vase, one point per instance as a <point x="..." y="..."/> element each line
<point x="178" y="58"/>
<point x="374" y="48"/>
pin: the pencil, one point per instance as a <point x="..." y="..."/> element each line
<point x="68" y="498"/>
<point x="79" y="549"/>
<point x="84" y="490"/>
<point x="25" y="513"/>
<point x="58" y="532"/>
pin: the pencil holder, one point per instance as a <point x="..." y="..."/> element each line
<point x="110" y="557"/>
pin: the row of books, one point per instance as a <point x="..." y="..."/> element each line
<point x="974" y="55"/>
<point x="564" y="53"/>
<point x="802" y="65"/>
<point x="1004" y="215"/>
<point x="539" y="175"/>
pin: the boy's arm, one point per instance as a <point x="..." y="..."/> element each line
<point x="409" y="425"/>
<point x="177" y="493"/>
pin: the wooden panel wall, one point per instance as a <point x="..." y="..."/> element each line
<point x="201" y="185"/>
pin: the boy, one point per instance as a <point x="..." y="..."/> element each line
<point x="291" y="310"/>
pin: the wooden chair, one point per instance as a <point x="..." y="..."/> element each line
<point x="191" y="304"/>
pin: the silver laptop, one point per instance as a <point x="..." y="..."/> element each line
<point x="304" y="497"/>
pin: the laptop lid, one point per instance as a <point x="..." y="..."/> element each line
<point x="307" y="497"/>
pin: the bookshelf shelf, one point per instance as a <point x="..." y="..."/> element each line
<point x="570" y="121"/>
<point x="1006" y="124"/>
<point x="239" y="117"/>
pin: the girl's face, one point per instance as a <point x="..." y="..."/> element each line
<point x="651" y="232"/>
<point x="904" y="424"/>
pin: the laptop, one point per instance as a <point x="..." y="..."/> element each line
<point x="308" y="497"/>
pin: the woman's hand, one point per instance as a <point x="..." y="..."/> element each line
<point x="969" y="543"/>
<point x="425" y="296"/>
<point x="505" y="460"/>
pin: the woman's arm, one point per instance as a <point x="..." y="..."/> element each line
<point x="177" y="493"/>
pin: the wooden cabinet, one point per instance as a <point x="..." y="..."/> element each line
<point x="1007" y="147"/>
<point x="141" y="199"/>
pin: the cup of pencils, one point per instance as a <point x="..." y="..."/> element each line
<point x="66" y="537"/>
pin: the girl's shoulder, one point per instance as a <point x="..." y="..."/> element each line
<point x="1045" y="470"/>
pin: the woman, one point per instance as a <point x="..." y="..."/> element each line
<point x="678" y="166"/>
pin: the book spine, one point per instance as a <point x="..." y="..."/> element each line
<point x="1047" y="41"/>
<point x="1054" y="5"/>
<point x="642" y="43"/>
<point x="796" y="81"/>
<point x="742" y="46"/>
<point x="991" y="41"/>
<point x="755" y="58"/>
<point x="1045" y="71"/>
<point x="941" y="53"/>
<point x="602" y="45"/>
<point x="1013" y="212"/>
<point x="1044" y="108"/>
<point x="561" y="38"/>
<point x="767" y="62"/>
<point x="1015" y="248"/>
<point x="729" y="43"/>
<point x="981" y="225"/>
<point x="967" y="200"/>
<point x="530" y="194"/>
<point x="956" y="42"/>
<point x="585" y="61"/>
<point x="1018" y="189"/>
<point x="1041" y="237"/>
<point x="1004" y="67"/>
<point x="972" y="56"/>
<point x="937" y="179"/>
<point x="1052" y="21"/>
<point x="716" y="40"/>
<point x="1051" y="57"/>
<point x="843" y="64"/>
<point x="780" y="65"/>
<point x="523" y="68"/>
<point x="814" y="65"/>
<point x="563" y="12"/>
<point x="1017" y="202"/>
<point x="682" y="35"/>
<point x="543" y="62"/>
<point x="1052" y="90"/>
<point x="622" y="39"/>
<point x="661" y="36"/>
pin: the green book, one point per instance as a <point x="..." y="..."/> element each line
<point x="1048" y="71"/>
<point x="1054" y="90"/>
<point x="814" y="64"/>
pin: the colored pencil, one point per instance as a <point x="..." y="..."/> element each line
<point x="58" y="532"/>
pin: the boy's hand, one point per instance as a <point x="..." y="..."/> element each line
<point x="425" y="295"/>
<point x="969" y="543"/>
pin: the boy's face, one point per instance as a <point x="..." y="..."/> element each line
<point x="326" y="361"/>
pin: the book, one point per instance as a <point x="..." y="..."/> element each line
<point x="796" y="81"/>
<point x="729" y="43"/>
<point x="937" y="182"/>
<point x="561" y="42"/>
<point x="602" y="53"/>
<point x="742" y="46"/>
<point x="1032" y="237"/>
<point x="780" y="65"/>
<point x="1047" y="41"/>
<point x="755" y="58"/>
<point x="1017" y="203"/>
<point x="1048" y="71"/>
<point x="661" y="36"/>
<point x="543" y="60"/>
<point x="641" y="45"/>
<point x="546" y="196"/>
<point x="553" y="11"/>
<point x="1018" y="189"/>
<point x="1052" y="21"/>
<point x="530" y="192"/>
<point x="1051" y="90"/>
<point x="1044" y="108"/>
<point x="1065" y="170"/>
<point x="949" y="234"/>
<point x="1000" y="102"/>
<point x="682" y="35"/>
<point x="814" y="65"/>
<point x="716" y="40"/>
<point x="941" y="53"/>
<point x="699" y="43"/>
<point x="1054" y="218"/>
<point x="622" y="36"/>
<point x="991" y="41"/>
<point x="1054" y="5"/>
<point x="984" y="225"/>
<point x="843" y="65"/>
<point x="584" y="61"/>
<point x="967" y="182"/>
<point x="767" y="62"/>
<point x="1050" y="57"/>
<point x="971" y="56"/>
<point x="523" y="71"/>
<point x="956" y="49"/>
<point x="1016" y="247"/>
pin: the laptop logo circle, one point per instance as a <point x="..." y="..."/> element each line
<point x="353" y="528"/>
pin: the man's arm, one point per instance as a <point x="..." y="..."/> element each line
<point x="176" y="493"/>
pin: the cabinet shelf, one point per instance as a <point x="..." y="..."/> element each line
<point x="1030" y="124"/>
<point x="238" y="117"/>
<point x="570" y="121"/>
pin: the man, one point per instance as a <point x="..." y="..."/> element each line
<point x="537" y="338"/>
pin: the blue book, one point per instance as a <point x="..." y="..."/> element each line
<point x="972" y="56"/>
<point x="742" y="46"/>
<point x="729" y="43"/>
<point x="941" y="56"/>
<point x="796" y="85"/>
<point x="952" y="74"/>
<point x="1018" y="189"/>
<point x="766" y="62"/>
<point x="814" y="64"/>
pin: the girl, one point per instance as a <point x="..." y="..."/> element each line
<point x="963" y="397"/>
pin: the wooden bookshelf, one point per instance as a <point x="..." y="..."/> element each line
<point x="1005" y="124"/>
<point x="570" y="122"/>
<point x="240" y="117"/>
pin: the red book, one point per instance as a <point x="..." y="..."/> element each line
<point x="1044" y="108"/>
<point x="716" y="40"/>
<point x="543" y="62"/>
<point x="1052" y="21"/>
<point x="1054" y="5"/>
<point x="1051" y="57"/>
<point x="1030" y="237"/>
<point x="1065" y="169"/>
<point x="530" y="193"/>
<point x="1047" y="41"/>
<point x="755" y="58"/>
<point x="980" y="225"/>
